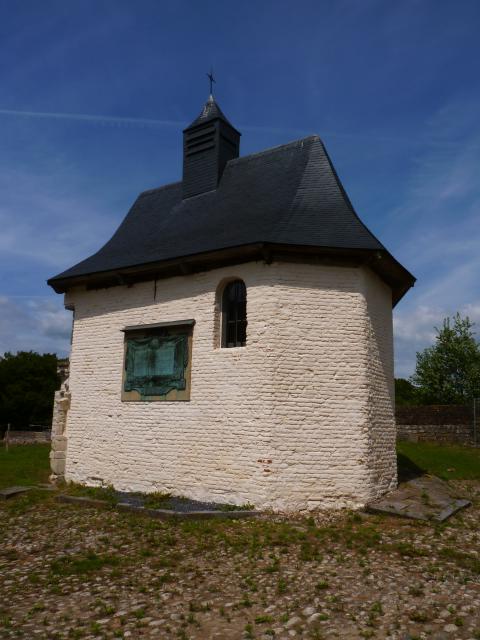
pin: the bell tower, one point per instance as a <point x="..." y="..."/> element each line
<point x="208" y="144"/>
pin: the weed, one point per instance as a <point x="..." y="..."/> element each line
<point x="156" y="500"/>
<point x="107" y="493"/>
<point x="82" y="563"/>
<point x="408" y="549"/>
<point x="245" y="602"/>
<point x="139" y="613"/>
<point x="274" y="566"/>
<point x="321" y="585"/>
<point x="193" y="606"/>
<point x="282" y="585"/>
<point x="377" y="608"/>
<point x="463" y="560"/>
<point x="237" y="507"/>
<point x="419" y="616"/>
<point x="308" y="552"/>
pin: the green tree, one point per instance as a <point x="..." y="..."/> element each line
<point x="448" y="372"/>
<point x="406" y="394"/>
<point x="28" y="382"/>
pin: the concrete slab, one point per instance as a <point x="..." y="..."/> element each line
<point x="159" y="514"/>
<point x="11" y="492"/>
<point x="423" y="498"/>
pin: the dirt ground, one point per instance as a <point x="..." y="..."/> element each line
<point x="73" y="572"/>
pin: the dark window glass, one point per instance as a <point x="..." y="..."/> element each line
<point x="234" y="313"/>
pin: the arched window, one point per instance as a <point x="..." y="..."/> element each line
<point x="234" y="314"/>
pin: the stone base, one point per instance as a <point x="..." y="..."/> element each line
<point x="57" y="463"/>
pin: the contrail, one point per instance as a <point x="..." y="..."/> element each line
<point x="84" y="117"/>
<point x="93" y="118"/>
<point x="151" y="122"/>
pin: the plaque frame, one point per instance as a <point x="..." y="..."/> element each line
<point x="144" y="379"/>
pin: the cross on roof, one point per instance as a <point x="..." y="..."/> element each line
<point x="212" y="80"/>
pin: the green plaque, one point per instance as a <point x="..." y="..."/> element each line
<point x="156" y="364"/>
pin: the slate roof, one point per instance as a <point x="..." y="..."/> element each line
<point x="210" y="111"/>
<point x="288" y="195"/>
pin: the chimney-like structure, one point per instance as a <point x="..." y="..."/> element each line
<point x="208" y="144"/>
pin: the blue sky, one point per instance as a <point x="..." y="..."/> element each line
<point x="94" y="95"/>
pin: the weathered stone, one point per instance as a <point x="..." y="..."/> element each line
<point x="292" y="622"/>
<point x="424" y="498"/>
<point x="450" y="628"/>
<point x="59" y="443"/>
<point x="11" y="492"/>
<point x="313" y="618"/>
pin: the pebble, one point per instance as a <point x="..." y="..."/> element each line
<point x="292" y="622"/>
<point x="220" y="573"/>
<point x="311" y="619"/>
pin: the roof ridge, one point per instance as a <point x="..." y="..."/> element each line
<point x="265" y="152"/>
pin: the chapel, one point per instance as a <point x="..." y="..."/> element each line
<point x="232" y="342"/>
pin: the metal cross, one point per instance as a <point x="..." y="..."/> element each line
<point x="212" y="80"/>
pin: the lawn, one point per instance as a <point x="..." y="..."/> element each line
<point x="446" y="461"/>
<point x="24" y="465"/>
<point x="70" y="572"/>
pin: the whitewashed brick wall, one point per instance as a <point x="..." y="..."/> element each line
<point x="299" y="418"/>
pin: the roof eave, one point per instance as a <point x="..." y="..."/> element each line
<point x="380" y="261"/>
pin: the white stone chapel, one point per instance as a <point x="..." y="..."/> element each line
<point x="232" y="342"/>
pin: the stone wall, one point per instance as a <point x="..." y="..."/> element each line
<point x="436" y="423"/>
<point x="28" y="437"/>
<point x="301" y="417"/>
<point x="61" y="405"/>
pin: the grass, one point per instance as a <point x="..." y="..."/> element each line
<point x="95" y="493"/>
<point x="445" y="461"/>
<point x="24" y="465"/>
<point x="82" y="563"/>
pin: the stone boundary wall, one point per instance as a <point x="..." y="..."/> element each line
<point x="28" y="437"/>
<point x="436" y="423"/>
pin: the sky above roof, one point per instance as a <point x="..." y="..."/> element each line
<point x="94" y="95"/>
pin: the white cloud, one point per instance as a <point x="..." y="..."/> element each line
<point x="38" y="324"/>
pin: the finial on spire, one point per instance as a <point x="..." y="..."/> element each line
<point x="212" y="80"/>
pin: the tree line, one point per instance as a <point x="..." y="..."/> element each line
<point x="448" y="372"/>
<point x="28" y="382"/>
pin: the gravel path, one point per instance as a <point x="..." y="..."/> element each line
<point x="70" y="572"/>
